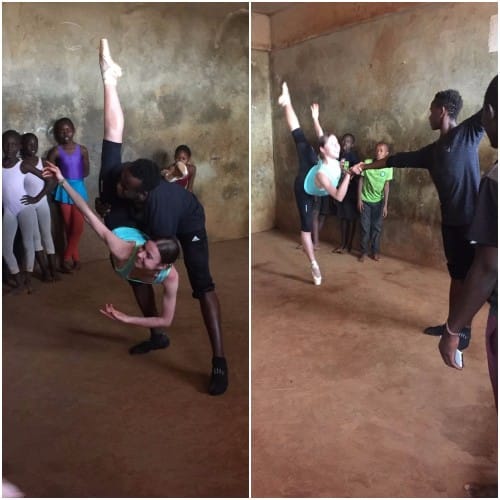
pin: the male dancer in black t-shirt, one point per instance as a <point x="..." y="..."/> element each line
<point x="453" y="164"/>
<point x="481" y="284"/>
<point x="134" y="194"/>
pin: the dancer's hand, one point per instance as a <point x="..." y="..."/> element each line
<point x="447" y="347"/>
<point x="29" y="200"/>
<point x="113" y="313"/>
<point x="358" y="168"/>
<point x="315" y="111"/>
<point x="102" y="208"/>
<point x="360" y="206"/>
<point x="51" y="170"/>
<point x="384" y="212"/>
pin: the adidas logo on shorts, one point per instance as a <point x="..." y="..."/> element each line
<point x="195" y="238"/>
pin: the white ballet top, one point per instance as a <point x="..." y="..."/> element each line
<point x="33" y="184"/>
<point x="13" y="188"/>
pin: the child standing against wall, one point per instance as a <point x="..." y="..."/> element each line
<point x="373" y="196"/>
<point x="36" y="188"/>
<point x="183" y="154"/>
<point x="347" y="209"/>
<point x="73" y="160"/>
<point x="15" y="213"/>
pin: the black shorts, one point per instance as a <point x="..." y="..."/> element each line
<point x="307" y="158"/>
<point x="195" y="252"/>
<point x="458" y="250"/>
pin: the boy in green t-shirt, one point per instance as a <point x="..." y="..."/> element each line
<point x="373" y="196"/>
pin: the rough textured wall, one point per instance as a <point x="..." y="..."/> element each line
<point x="263" y="182"/>
<point x="377" y="80"/>
<point x="185" y="81"/>
<point x="302" y="21"/>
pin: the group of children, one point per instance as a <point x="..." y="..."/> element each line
<point x="26" y="207"/>
<point x="366" y="199"/>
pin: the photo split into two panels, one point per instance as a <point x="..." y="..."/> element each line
<point x="321" y="167"/>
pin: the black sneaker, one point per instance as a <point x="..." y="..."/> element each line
<point x="219" y="379"/>
<point x="465" y="335"/>
<point x="159" y="342"/>
<point x="435" y="331"/>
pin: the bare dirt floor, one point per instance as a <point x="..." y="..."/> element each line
<point x="83" y="418"/>
<point x="349" y="397"/>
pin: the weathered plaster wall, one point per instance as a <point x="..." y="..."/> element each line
<point x="185" y="81"/>
<point x="303" y="21"/>
<point x="376" y="80"/>
<point x="263" y="179"/>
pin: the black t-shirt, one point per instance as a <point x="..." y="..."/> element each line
<point x="352" y="191"/>
<point x="168" y="210"/>
<point x="453" y="163"/>
<point x="171" y="209"/>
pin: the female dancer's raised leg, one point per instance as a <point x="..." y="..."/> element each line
<point x="307" y="158"/>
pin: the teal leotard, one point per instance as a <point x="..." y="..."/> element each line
<point x="139" y="238"/>
<point x="333" y="173"/>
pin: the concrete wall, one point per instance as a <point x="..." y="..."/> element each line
<point x="376" y="80"/>
<point x="263" y="179"/>
<point x="185" y="81"/>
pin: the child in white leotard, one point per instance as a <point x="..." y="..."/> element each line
<point x="15" y="214"/>
<point x="36" y="188"/>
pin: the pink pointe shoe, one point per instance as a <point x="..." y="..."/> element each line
<point x="109" y="69"/>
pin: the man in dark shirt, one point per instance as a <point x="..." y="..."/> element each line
<point x="134" y="194"/>
<point x="481" y="284"/>
<point x="453" y="164"/>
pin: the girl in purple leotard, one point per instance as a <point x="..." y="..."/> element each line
<point x="73" y="160"/>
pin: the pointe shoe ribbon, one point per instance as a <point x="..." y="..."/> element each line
<point x="109" y="69"/>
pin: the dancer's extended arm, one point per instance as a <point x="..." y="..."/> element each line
<point x="119" y="248"/>
<point x="170" y="285"/>
<point x="315" y="116"/>
<point x="337" y="193"/>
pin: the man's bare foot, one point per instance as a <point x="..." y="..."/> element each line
<point x="475" y="490"/>
<point x="284" y="98"/>
<point x="109" y="69"/>
<point x="339" y="250"/>
<point x="361" y="258"/>
<point x="376" y="257"/>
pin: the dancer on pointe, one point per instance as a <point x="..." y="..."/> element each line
<point x="325" y="178"/>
